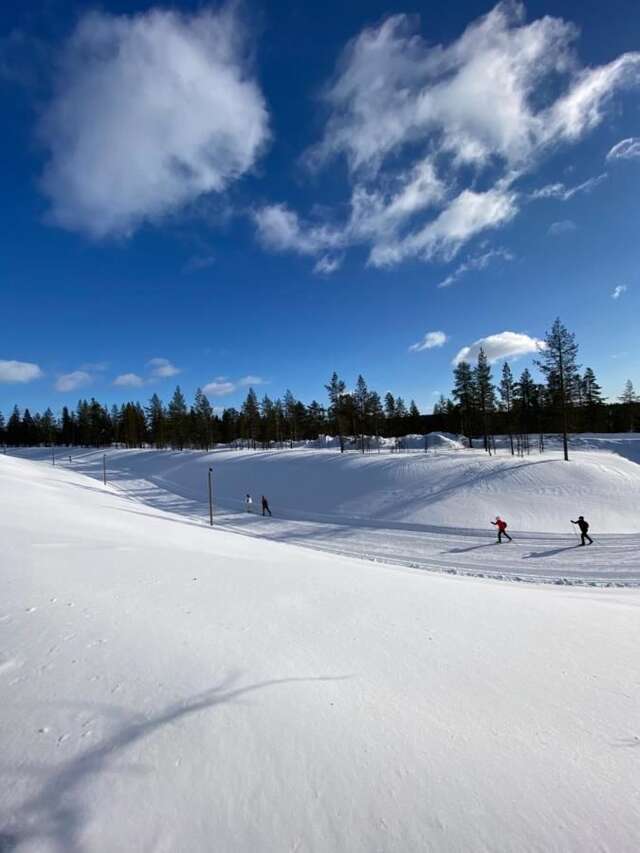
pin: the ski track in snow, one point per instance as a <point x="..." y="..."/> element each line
<point x="614" y="559"/>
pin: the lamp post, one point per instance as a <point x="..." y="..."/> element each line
<point x="210" y="497"/>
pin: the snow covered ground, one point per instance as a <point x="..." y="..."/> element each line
<point x="169" y="687"/>
<point x="431" y="511"/>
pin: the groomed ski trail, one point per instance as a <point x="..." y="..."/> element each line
<point x="614" y="560"/>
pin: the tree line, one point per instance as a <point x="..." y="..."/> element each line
<point x="350" y="416"/>
<point x="568" y="400"/>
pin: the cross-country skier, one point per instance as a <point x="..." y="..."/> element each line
<point x="265" y="506"/>
<point x="584" y="529"/>
<point x="248" y="502"/>
<point x="501" y="524"/>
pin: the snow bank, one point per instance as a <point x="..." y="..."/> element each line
<point x="170" y="687"/>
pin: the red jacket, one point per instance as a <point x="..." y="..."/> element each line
<point x="501" y="525"/>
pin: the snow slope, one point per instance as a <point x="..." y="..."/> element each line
<point x="168" y="687"/>
<point x="428" y="511"/>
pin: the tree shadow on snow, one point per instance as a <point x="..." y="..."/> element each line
<point x="55" y="816"/>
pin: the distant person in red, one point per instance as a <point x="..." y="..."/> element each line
<point x="265" y="506"/>
<point x="584" y="529"/>
<point x="501" y="524"/>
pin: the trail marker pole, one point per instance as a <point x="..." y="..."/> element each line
<point x="210" y="498"/>
<point x="104" y="468"/>
<point x="53" y="456"/>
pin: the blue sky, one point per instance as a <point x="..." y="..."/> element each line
<point x="265" y="193"/>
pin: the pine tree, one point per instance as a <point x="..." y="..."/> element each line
<point x="203" y="421"/>
<point x="558" y="364"/>
<point x="506" y="389"/>
<point x="591" y="399"/>
<point x="464" y="393"/>
<point x="177" y="420"/>
<point x="485" y="393"/>
<point x="629" y="399"/>
<point x="361" y="408"/>
<point x="251" y="413"/>
<point x="156" y="422"/>
<point x="336" y="390"/>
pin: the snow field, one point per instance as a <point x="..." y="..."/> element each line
<point x="171" y="687"/>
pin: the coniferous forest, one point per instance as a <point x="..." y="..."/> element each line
<point x="482" y="404"/>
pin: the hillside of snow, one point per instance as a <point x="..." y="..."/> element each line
<point x="167" y="686"/>
<point x="462" y="489"/>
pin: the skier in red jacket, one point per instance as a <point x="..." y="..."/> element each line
<point x="501" y="524"/>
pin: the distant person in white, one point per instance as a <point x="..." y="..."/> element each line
<point x="248" y="502"/>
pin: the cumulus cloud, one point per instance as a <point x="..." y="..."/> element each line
<point x="73" y="380"/>
<point x="219" y="388"/>
<point x="618" y="291"/>
<point x="564" y="226"/>
<point x="626" y="149"/>
<point x="149" y="111"/>
<point x="476" y="262"/>
<point x="162" y="368"/>
<point x="502" y="345"/>
<point x="430" y="341"/>
<point x="436" y="137"/>
<point x="129" y="380"/>
<point x="19" y="371"/>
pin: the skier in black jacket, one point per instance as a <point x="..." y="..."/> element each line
<point x="265" y="506"/>
<point x="584" y="529"/>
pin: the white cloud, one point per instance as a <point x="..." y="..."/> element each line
<point x="476" y="262"/>
<point x="435" y="137"/>
<point x="149" y="112"/>
<point x="219" y="388"/>
<point x="430" y="341"/>
<point x="251" y="380"/>
<point x="279" y="228"/>
<point x="73" y="380"/>
<point x="129" y="380"/>
<point x="19" y="371"/>
<point x="502" y="345"/>
<point x="565" y="226"/>
<point x="618" y="291"/>
<point x="328" y="264"/>
<point x="161" y="368"/>
<point x="627" y="149"/>
<point x="563" y="193"/>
